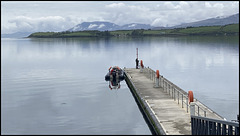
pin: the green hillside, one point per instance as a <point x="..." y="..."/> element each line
<point x="232" y="29"/>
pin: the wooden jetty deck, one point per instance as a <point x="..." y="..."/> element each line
<point x="166" y="106"/>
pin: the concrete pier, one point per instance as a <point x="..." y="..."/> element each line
<point x="166" y="107"/>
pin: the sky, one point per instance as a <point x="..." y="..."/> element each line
<point x="42" y="16"/>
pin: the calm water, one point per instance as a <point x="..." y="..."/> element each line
<point x="57" y="86"/>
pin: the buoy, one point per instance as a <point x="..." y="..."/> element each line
<point x="157" y="73"/>
<point x="190" y="96"/>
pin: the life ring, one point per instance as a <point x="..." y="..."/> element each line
<point x="157" y="73"/>
<point x="109" y="68"/>
<point x="190" y="97"/>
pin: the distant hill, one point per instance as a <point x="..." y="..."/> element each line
<point x="217" y="21"/>
<point x="104" y="26"/>
<point x="16" y="35"/>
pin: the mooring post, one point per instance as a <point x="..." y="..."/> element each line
<point x="157" y="79"/>
<point x="192" y="108"/>
<point x="141" y="66"/>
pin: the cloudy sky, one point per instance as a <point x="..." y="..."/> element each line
<point x="32" y="16"/>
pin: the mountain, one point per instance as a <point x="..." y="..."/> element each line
<point x="233" y="19"/>
<point x="135" y="26"/>
<point x="16" y="35"/>
<point x="97" y="25"/>
<point x="103" y="26"/>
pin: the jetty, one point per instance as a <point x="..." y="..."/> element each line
<point x="169" y="110"/>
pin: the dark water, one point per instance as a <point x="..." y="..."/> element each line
<point x="57" y="86"/>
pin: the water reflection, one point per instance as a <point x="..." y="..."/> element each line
<point x="115" y="75"/>
<point x="38" y="75"/>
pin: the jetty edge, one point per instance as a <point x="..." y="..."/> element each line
<point x="165" y="107"/>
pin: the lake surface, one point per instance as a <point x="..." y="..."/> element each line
<point x="57" y="86"/>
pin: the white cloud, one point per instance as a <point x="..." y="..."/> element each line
<point x="218" y="5"/>
<point x="60" y="16"/>
<point x="168" y="5"/>
<point x="122" y="14"/>
<point x="174" y="13"/>
<point x="115" y="5"/>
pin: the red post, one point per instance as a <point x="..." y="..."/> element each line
<point x="157" y="73"/>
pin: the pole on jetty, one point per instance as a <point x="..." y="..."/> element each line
<point x="137" y="53"/>
<point x="137" y="61"/>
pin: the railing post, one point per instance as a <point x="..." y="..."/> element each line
<point x="169" y="89"/>
<point x="174" y="94"/>
<point x="206" y="128"/>
<point x="149" y="73"/>
<point x="182" y="100"/>
<point x="160" y="81"/>
<point x="192" y="108"/>
<point x="236" y="130"/>
<point x="165" y="85"/>
<point x="178" y="96"/>
<point x="152" y="75"/>
<point x="198" y="110"/>
<point x="213" y="128"/>
<point x="192" y="125"/>
<point x="157" y="82"/>
<point x="230" y="132"/>
<point x="187" y="103"/>
<point x="224" y="129"/>
<point x="218" y="129"/>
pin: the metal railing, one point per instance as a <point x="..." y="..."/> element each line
<point x="175" y="92"/>
<point x="208" y="126"/>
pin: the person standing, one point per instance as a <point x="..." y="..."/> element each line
<point x="137" y="61"/>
